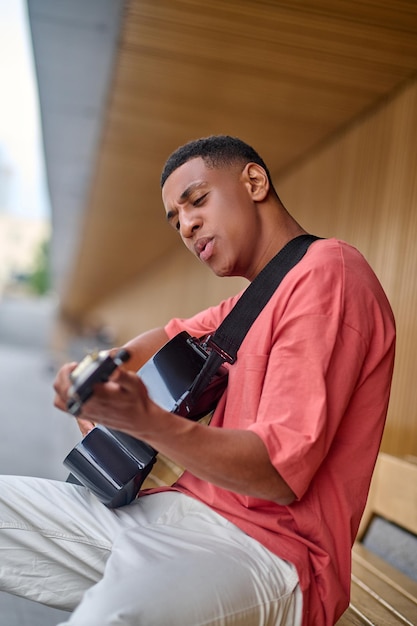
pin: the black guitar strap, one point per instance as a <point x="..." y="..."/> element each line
<point x="225" y="342"/>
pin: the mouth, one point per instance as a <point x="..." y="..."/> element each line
<point x="204" y="248"/>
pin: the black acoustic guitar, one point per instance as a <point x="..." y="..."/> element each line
<point x="114" y="465"/>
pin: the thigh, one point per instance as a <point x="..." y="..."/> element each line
<point x="55" y="539"/>
<point x="190" y="566"/>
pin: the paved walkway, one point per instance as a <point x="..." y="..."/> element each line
<point x="35" y="437"/>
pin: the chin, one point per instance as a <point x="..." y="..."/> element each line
<point x="223" y="272"/>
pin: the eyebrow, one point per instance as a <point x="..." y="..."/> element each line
<point x="189" y="190"/>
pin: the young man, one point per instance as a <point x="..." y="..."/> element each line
<point x="259" y="528"/>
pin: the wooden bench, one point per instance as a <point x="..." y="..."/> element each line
<point x="381" y="595"/>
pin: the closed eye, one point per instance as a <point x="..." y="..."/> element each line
<point x="200" y="199"/>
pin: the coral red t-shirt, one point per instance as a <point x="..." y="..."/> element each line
<point x="312" y="380"/>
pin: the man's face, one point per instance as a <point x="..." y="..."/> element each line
<point x="213" y="211"/>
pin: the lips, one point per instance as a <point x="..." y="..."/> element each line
<point x="204" y="248"/>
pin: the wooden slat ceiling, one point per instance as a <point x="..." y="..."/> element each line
<point x="284" y="76"/>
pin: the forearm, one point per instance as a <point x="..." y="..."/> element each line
<point x="144" y="346"/>
<point x="236" y="460"/>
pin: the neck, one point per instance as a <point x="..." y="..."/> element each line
<point x="279" y="228"/>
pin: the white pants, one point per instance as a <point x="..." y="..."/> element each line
<point x="164" y="560"/>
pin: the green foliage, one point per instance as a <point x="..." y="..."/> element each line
<point x="39" y="280"/>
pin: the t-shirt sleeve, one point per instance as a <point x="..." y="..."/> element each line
<point x="203" y="323"/>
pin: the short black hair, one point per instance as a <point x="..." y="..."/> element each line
<point x="215" y="150"/>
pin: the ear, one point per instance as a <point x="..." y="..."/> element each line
<point x="256" y="180"/>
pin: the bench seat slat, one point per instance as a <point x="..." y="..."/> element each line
<point x="383" y="570"/>
<point x="387" y="596"/>
<point x="375" y="611"/>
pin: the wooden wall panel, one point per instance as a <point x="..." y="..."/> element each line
<point x="176" y="286"/>
<point x="282" y="75"/>
<point x="363" y="188"/>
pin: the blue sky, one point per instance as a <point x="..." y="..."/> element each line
<point x="22" y="181"/>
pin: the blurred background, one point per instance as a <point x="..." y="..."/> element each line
<point x="95" y="94"/>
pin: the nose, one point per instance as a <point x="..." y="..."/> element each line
<point x="189" y="222"/>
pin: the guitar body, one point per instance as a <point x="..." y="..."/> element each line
<point x="114" y="465"/>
